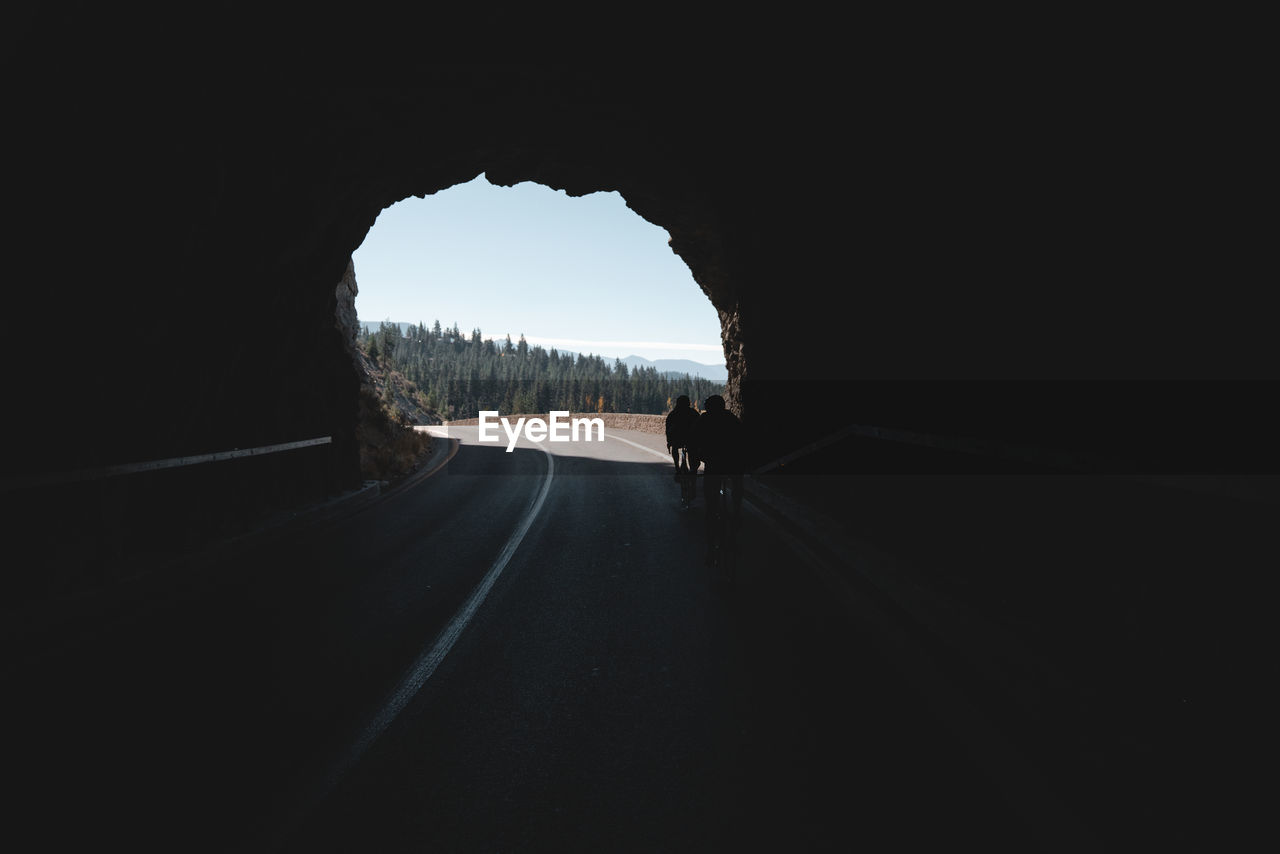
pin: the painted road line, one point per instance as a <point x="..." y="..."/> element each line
<point x="644" y="448"/>
<point x="425" y="666"/>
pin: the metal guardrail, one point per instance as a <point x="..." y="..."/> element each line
<point x="55" y="478"/>
<point x="980" y="447"/>
<point x="1259" y="487"/>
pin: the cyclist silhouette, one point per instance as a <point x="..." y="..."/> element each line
<point x="680" y="423"/>
<point x="719" y="441"/>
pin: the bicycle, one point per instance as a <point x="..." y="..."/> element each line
<point x="686" y="477"/>
<point x="723" y="520"/>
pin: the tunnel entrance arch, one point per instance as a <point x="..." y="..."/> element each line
<point x="576" y="277"/>
<point x="697" y="235"/>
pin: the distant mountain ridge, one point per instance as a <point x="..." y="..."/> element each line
<point x="680" y="367"/>
<point x="667" y="367"/>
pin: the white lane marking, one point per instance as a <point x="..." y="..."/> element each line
<point x="644" y="448"/>
<point x="427" y="663"/>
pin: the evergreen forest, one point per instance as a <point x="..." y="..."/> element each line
<point x="456" y="375"/>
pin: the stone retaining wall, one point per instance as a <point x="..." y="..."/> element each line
<point x="612" y="420"/>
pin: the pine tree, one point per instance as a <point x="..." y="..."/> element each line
<point x="458" y="375"/>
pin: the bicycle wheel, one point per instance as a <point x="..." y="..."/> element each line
<point x="714" y="521"/>
<point x="686" y="480"/>
<point x="728" y="540"/>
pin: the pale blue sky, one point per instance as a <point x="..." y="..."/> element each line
<point x="584" y="274"/>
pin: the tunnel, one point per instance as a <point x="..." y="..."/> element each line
<point x="991" y="270"/>
<point x="943" y="279"/>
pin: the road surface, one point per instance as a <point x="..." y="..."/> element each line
<point x="521" y="652"/>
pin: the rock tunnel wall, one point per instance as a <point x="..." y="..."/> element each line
<point x="953" y="260"/>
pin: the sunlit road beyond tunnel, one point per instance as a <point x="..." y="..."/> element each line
<point x="599" y="690"/>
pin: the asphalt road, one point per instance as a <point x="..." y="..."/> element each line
<point x="522" y="652"/>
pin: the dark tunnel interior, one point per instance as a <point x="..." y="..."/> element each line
<point x="997" y="279"/>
